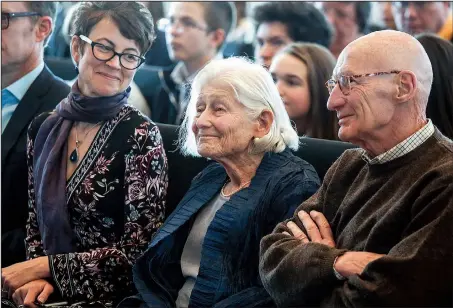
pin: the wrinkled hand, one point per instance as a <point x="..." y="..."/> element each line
<point x="39" y="290"/>
<point x="354" y="262"/>
<point x="317" y="226"/>
<point x="17" y="275"/>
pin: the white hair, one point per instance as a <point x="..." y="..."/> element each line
<point x="255" y="89"/>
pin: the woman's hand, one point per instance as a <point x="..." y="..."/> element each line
<point x="17" y="275"/>
<point x="37" y="290"/>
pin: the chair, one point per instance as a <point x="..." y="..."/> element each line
<point x="61" y="67"/>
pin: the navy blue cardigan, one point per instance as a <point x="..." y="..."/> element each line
<point x="282" y="182"/>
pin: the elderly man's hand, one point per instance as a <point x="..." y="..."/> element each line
<point x="17" y="275"/>
<point x="317" y="226"/>
<point x="37" y="290"/>
<point x="354" y="262"/>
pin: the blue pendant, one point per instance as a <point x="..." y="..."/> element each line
<point x="74" y="156"/>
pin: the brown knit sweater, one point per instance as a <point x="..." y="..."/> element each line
<point x="403" y="209"/>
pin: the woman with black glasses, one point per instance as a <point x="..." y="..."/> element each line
<point x="97" y="170"/>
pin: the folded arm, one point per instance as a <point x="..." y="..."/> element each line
<point x="416" y="271"/>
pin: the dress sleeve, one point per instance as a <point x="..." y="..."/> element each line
<point x="417" y="271"/>
<point x="106" y="273"/>
<point x="33" y="244"/>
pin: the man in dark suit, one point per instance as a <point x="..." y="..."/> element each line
<point x="28" y="89"/>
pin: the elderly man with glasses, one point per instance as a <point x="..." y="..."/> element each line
<point x="379" y="230"/>
<point x="28" y="89"/>
<point x="195" y="34"/>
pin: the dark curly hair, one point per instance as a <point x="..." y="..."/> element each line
<point x="305" y="23"/>
<point x="132" y="18"/>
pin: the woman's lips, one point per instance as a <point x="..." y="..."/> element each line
<point x="108" y="76"/>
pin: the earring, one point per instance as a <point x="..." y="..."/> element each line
<point x="76" y="69"/>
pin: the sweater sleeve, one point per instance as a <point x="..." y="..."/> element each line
<point x="283" y="258"/>
<point x="106" y="273"/>
<point x="415" y="271"/>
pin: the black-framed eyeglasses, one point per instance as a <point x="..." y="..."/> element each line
<point x="183" y="24"/>
<point x="7" y="16"/>
<point x="345" y="81"/>
<point x="106" y="53"/>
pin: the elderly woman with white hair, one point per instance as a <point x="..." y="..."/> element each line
<point x="206" y="253"/>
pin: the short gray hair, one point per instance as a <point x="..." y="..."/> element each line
<point x="255" y="89"/>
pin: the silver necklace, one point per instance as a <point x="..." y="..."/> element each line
<point x="74" y="157"/>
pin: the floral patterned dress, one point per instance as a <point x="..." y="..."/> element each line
<point x="115" y="200"/>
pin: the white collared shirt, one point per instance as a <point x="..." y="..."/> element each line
<point x="18" y="90"/>
<point x="404" y="147"/>
<point x="21" y="86"/>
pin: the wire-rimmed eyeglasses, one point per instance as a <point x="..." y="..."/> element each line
<point x="345" y="81"/>
<point x="106" y="53"/>
<point x="182" y="24"/>
<point x="7" y="16"/>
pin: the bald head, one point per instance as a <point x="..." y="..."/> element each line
<point x="388" y="50"/>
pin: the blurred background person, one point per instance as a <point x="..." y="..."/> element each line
<point x="418" y="17"/>
<point x="300" y="71"/>
<point x="240" y="41"/>
<point x="97" y="170"/>
<point x="281" y="23"/>
<point x="57" y="46"/>
<point x="349" y="20"/>
<point x="28" y="89"/>
<point x="387" y="15"/>
<point x="195" y="34"/>
<point x="158" y="54"/>
<point x="206" y="253"/>
<point x="440" y="102"/>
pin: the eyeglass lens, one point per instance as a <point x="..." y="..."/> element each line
<point x="5" y="21"/>
<point x="105" y="53"/>
<point x="343" y="83"/>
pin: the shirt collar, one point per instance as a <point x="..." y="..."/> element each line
<point x="404" y="147"/>
<point x="180" y="74"/>
<point x="21" y="86"/>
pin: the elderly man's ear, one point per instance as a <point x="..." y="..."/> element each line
<point x="407" y="86"/>
<point x="264" y="123"/>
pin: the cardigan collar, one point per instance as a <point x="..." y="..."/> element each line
<point x="207" y="187"/>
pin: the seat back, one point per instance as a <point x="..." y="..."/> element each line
<point x="147" y="79"/>
<point x="61" y="67"/>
